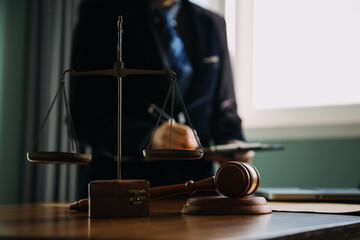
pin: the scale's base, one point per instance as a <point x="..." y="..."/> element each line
<point x="119" y="198"/>
<point x="219" y="205"/>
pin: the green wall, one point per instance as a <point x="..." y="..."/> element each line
<point x="12" y="107"/>
<point x="311" y="163"/>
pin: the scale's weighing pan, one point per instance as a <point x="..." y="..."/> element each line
<point x="59" y="157"/>
<point x="173" y="154"/>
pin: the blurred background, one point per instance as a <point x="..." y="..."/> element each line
<point x="297" y="77"/>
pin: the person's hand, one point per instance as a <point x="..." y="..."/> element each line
<point x="182" y="137"/>
<point x="238" y="156"/>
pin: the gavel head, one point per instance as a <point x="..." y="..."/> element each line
<point x="237" y="179"/>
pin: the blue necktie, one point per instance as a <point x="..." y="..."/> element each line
<point x="175" y="51"/>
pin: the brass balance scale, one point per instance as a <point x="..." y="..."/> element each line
<point x="130" y="198"/>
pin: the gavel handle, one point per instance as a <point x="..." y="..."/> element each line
<point x="189" y="187"/>
<point x="161" y="192"/>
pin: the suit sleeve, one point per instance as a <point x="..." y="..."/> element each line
<point x="226" y="124"/>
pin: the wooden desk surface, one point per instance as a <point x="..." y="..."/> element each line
<point x="46" y="221"/>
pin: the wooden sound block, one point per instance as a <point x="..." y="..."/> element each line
<point x="220" y="205"/>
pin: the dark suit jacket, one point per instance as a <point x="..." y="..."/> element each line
<point x="210" y="99"/>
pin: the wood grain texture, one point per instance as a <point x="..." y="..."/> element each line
<point x="55" y="221"/>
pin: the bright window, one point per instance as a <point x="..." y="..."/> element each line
<point x="306" y="53"/>
<point x="297" y="65"/>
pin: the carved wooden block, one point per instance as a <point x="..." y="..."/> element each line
<point x="119" y="198"/>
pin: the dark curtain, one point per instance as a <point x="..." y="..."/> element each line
<point x="50" y="26"/>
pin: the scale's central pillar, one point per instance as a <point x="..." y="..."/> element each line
<point x="119" y="61"/>
<point x="119" y="198"/>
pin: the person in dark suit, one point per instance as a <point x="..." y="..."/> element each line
<point x="207" y="88"/>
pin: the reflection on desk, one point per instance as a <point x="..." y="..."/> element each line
<point x="36" y="221"/>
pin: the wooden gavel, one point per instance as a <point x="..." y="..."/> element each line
<point x="232" y="179"/>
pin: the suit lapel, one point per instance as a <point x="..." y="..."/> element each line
<point x="193" y="94"/>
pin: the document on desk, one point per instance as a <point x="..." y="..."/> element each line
<point x="316" y="207"/>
